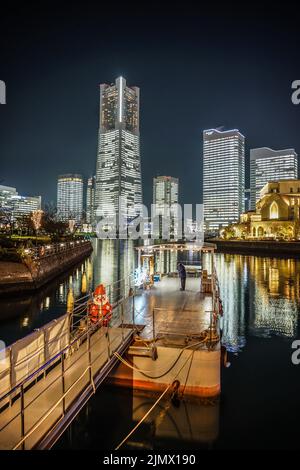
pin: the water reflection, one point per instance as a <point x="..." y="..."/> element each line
<point x="111" y="260"/>
<point x="194" y="423"/>
<point x="260" y="295"/>
<point x="263" y="290"/>
<point x="231" y="271"/>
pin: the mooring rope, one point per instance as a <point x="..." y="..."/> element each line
<point x="154" y="405"/>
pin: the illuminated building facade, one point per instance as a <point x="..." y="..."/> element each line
<point x="277" y="214"/>
<point x="19" y="206"/>
<point x="118" y="172"/>
<point x="270" y="165"/>
<point x="7" y="193"/>
<point x="223" y="177"/>
<point x="165" y="200"/>
<point x="90" y="199"/>
<point x="70" y="197"/>
<point x="24" y="205"/>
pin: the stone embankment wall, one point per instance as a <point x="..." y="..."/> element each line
<point x="259" y="247"/>
<point x="32" y="274"/>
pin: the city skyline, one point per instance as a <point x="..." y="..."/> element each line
<point x="188" y="83"/>
<point x="149" y="229"/>
<point x="263" y="153"/>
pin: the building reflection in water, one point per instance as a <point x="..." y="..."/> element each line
<point x="260" y="295"/>
<point x="231" y="271"/>
<point x="274" y="307"/>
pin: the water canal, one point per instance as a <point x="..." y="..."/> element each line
<point x="259" y="406"/>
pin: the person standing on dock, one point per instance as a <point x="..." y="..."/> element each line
<point x="182" y="275"/>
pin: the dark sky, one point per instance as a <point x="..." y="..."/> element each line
<point x="216" y="66"/>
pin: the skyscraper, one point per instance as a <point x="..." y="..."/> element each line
<point x="165" y="191"/>
<point x="270" y="165"/>
<point x="70" y="197"/>
<point x="165" y="195"/>
<point x="90" y="199"/>
<point x="223" y="177"/>
<point x="118" y="173"/>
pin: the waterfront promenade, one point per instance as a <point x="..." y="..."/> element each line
<point x="40" y="265"/>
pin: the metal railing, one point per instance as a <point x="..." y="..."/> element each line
<point x="43" y="251"/>
<point x="40" y="401"/>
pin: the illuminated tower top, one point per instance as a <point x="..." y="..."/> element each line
<point x="119" y="105"/>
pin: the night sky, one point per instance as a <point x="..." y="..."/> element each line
<point x="219" y="66"/>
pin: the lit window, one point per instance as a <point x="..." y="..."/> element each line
<point x="274" y="211"/>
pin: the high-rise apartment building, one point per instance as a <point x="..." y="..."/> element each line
<point x="70" y="197"/>
<point x="223" y="177"/>
<point x="118" y="172"/>
<point x="165" y="200"/>
<point x="90" y="199"/>
<point x="270" y="165"/>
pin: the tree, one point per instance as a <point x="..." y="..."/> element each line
<point x="25" y="224"/>
<point x="228" y="232"/>
<point x="51" y="224"/>
<point x="6" y="218"/>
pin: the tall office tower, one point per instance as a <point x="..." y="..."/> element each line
<point x="223" y="177"/>
<point x="70" y="197"/>
<point x="270" y="165"/>
<point x="90" y="199"/>
<point x="118" y="173"/>
<point x="165" y="195"/>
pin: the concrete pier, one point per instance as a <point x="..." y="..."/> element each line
<point x="178" y="319"/>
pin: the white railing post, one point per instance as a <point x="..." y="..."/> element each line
<point x="22" y="415"/>
<point x="63" y="382"/>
